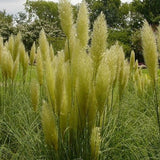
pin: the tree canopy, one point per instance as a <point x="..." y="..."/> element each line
<point x="43" y="10"/>
<point x="111" y="9"/>
<point x="6" y="25"/>
<point x="150" y="9"/>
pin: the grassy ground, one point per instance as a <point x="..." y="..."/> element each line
<point x="133" y="135"/>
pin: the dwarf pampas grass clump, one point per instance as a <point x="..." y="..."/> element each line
<point x="49" y="126"/>
<point x="78" y="84"/>
<point x="99" y="40"/>
<point x="150" y="50"/>
<point x="34" y="94"/>
<point x="83" y="25"/>
<point x="95" y="143"/>
<point x="66" y="17"/>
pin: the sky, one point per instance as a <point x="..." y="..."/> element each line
<point x="14" y="6"/>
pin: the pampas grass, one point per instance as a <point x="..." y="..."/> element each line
<point x="91" y="108"/>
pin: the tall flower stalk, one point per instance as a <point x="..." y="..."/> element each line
<point x="151" y="59"/>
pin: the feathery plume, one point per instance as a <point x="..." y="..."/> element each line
<point x="71" y="45"/>
<point x="83" y="25"/>
<point x="102" y="86"/>
<point x="99" y="40"/>
<point x="150" y="50"/>
<point x="66" y="17"/>
<point x="64" y="113"/>
<point x="22" y="53"/>
<point x="83" y="84"/>
<point x="17" y="42"/>
<point x="50" y="82"/>
<point x="15" y="68"/>
<point x="32" y="54"/>
<point x="39" y="67"/>
<point x="11" y="45"/>
<point x="132" y="61"/>
<point x="59" y="81"/>
<point x="123" y="78"/>
<point x="9" y="65"/>
<point x="49" y="126"/>
<point x="43" y="45"/>
<point x="6" y="64"/>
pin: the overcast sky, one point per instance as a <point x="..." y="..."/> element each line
<point x="14" y="6"/>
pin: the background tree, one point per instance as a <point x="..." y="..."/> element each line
<point x="45" y="14"/>
<point x="20" y="17"/>
<point x="44" y="10"/>
<point x="6" y="25"/>
<point x="150" y="10"/>
<point x="110" y="8"/>
<point x="135" y="18"/>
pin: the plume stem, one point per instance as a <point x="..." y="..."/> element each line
<point x="156" y="104"/>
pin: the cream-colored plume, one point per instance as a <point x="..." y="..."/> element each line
<point x="83" y="25"/>
<point x="150" y="50"/>
<point x="132" y="61"/>
<point x="66" y="17"/>
<point x="49" y="126"/>
<point x="99" y="40"/>
<point x="43" y="45"/>
<point x="39" y="67"/>
<point x="32" y="54"/>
